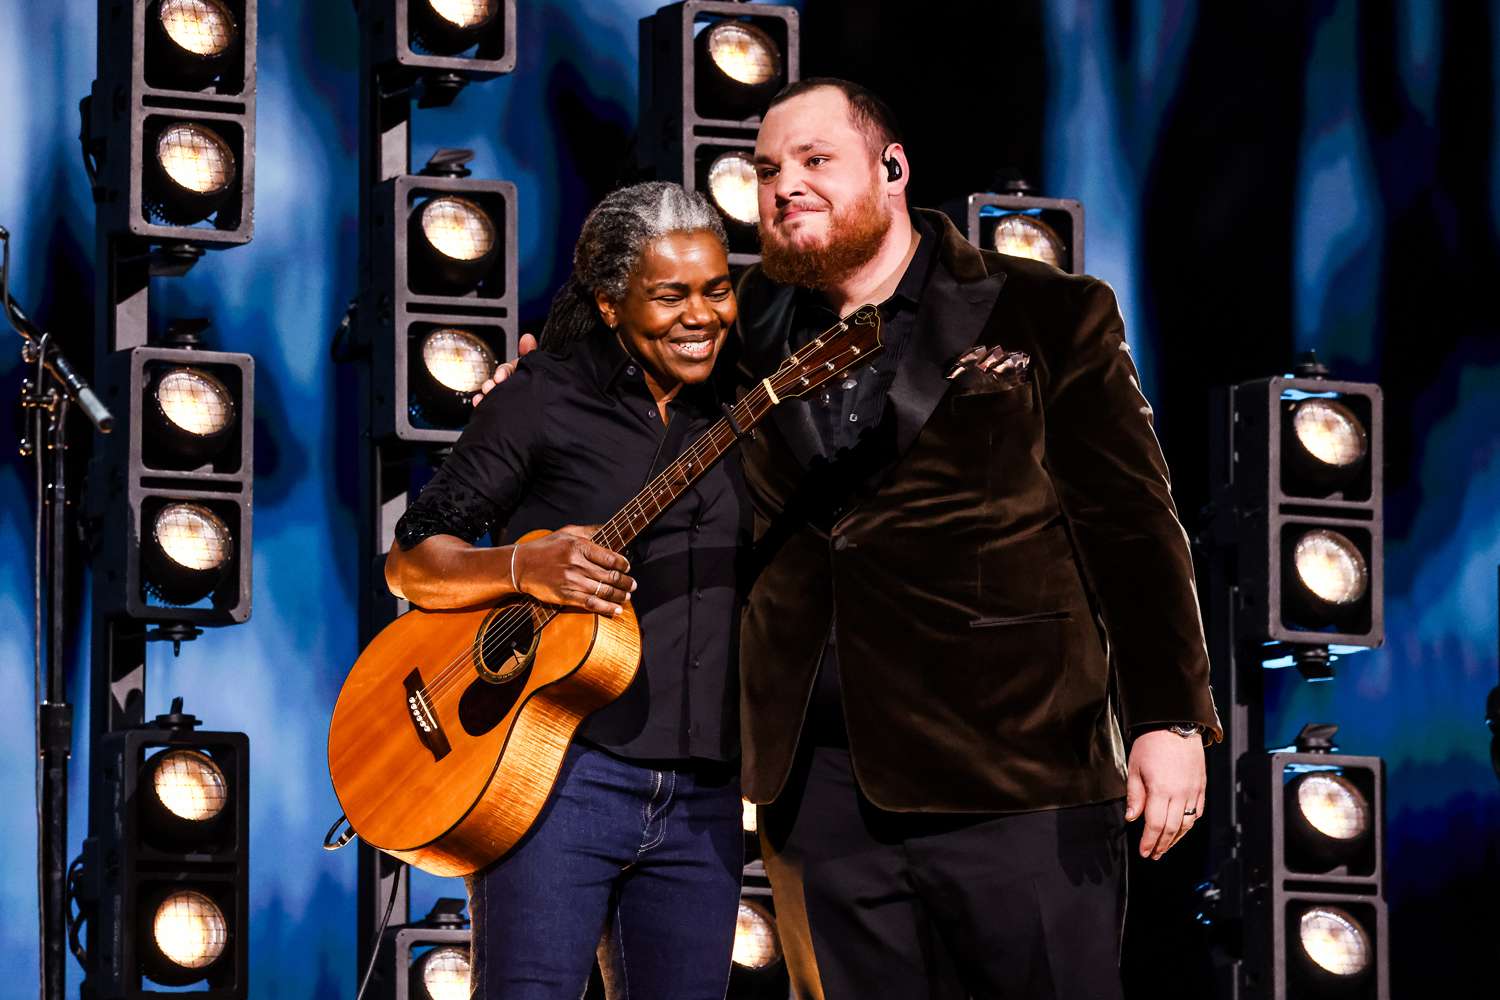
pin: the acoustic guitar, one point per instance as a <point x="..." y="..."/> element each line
<point x="451" y="727"/>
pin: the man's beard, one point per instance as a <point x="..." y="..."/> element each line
<point x="854" y="238"/>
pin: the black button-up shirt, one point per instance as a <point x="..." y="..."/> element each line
<point x="841" y="417"/>
<point x="570" y="438"/>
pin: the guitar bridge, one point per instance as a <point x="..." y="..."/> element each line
<point x="423" y="719"/>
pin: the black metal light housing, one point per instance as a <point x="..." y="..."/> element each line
<point x="454" y="243"/>
<point x="1049" y="230"/>
<point x="446" y="367"/>
<point x="737" y="68"/>
<point x="191" y="169"/>
<point x="448" y="27"/>
<point x="190" y="43"/>
<point x="191" y="415"/>
<point x="1326" y="447"/>
<point x="184" y="932"/>
<point x="187" y="550"/>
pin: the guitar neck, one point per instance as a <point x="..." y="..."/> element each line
<point x="677" y="478"/>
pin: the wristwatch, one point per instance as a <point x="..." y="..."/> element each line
<point x="1187" y="730"/>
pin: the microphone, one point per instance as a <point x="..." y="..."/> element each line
<point x="74" y="384"/>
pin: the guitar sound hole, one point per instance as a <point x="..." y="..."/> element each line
<point x="506" y="645"/>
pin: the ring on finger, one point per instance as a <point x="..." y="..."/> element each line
<point x="1190" y="812"/>
<point x="599" y="589"/>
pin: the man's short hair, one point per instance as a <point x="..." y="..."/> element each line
<point x="868" y="113"/>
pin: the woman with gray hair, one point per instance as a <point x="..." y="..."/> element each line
<point x="641" y="840"/>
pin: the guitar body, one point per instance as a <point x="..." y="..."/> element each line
<point x="445" y="742"/>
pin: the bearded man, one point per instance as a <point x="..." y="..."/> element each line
<point x="973" y="577"/>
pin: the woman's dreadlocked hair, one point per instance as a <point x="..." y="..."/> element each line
<point x="611" y="245"/>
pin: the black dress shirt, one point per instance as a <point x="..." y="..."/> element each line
<point x="570" y="438"/>
<point x="841" y="417"/>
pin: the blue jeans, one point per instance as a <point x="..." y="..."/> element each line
<point x="637" y="863"/>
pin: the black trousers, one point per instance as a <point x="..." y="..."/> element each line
<point x="930" y="907"/>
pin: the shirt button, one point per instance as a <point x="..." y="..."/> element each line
<point x="651" y="412"/>
<point x="697" y="662"/>
<point x="854" y="418"/>
<point x="840" y="543"/>
<point x="630" y="369"/>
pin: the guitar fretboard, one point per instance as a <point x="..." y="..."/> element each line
<point x="677" y="478"/>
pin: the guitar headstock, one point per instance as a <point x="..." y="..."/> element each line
<point x="853" y="341"/>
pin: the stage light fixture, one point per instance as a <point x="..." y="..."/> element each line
<point x="747" y="815"/>
<point x="738" y="69"/>
<point x="188" y="784"/>
<point x="456" y="241"/>
<point x="1334" y="941"/>
<point x="1330" y="568"/>
<point x="1021" y="235"/>
<point x="1015" y="222"/>
<point x="190" y="934"/>
<point x="446" y="243"/>
<point x="448" y="367"/>
<point x="755" y="943"/>
<point x="192" y="171"/>
<point x="733" y="186"/>
<point x="1302" y="460"/>
<point x="444" y="973"/>
<point x="1328" y="823"/>
<point x="189" y="41"/>
<point x="448" y="27"/>
<point x="191" y="417"/>
<point x="187" y="552"/>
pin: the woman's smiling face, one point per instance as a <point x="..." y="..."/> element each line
<point x="677" y="308"/>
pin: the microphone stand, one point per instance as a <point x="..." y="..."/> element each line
<point x="45" y="399"/>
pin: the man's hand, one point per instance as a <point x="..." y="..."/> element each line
<point x="1165" y="780"/>
<point x="567" y="568"/>
<point x="506" y="370"/>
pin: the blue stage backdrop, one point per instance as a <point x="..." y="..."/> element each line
<point x="1381" y="243"/>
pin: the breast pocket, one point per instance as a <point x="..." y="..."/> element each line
<point x="982" y="401"/>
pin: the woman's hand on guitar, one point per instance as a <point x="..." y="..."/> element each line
<point x="568" y="569"/>
<point x="506" y="369"/>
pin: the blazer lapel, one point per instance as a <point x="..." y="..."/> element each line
<point x="950" y="320"/>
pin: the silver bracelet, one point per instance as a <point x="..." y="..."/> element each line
<point x="513" y="585"/>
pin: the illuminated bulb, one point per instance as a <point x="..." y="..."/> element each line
<point x="1333" y="805"/>
<point x="445" y="973"/>
<point x="189" y="784"/>
<point x="195" y="401"/>
<point x="1330" y="432"/>
<point x="1331" y="567"/>
<point x="457" y="359"/>
<point x="747" y="817"/>
<point x="1026" y="236"/>
<point x="192" y="536"/>
<point x="743" y="52"/>
<point x="189" y="929"/>
<point x="458" y="228"/>
<point x="195" y="158"/>
<point x="755" y="944"/>
<point x="463" y="13"/>
<point x="1334" y="940"/>
<point x="203" y="27"/>
<point x="732" y="183"/>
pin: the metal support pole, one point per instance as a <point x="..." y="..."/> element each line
<point x="56" y="715"/>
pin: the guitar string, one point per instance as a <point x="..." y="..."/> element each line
<point x="681" y="473"/>
<point x="509" y="627"/>
<point x="458" y="670"/>
<point x="494" y="638"/>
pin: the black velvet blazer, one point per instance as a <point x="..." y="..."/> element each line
<point x="1009" y="575"/>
